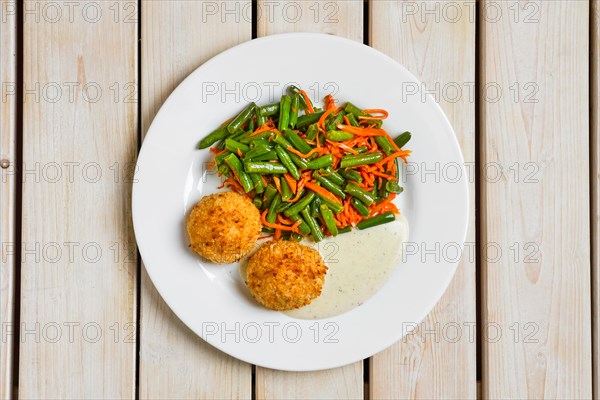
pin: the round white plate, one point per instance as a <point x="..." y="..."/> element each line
<point x="172" y="176"/>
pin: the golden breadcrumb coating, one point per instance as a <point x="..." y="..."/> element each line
<point x="284" y="275"/>
<point x="224" y="227"/>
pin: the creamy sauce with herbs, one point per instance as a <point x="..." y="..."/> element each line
<point x="359" y="262"/>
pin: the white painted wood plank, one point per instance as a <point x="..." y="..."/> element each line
<point x="177" y="37"/>
<point x="78" y="285"/>
<point x="341" y="18"/>
<point x="595" y="187"/>
<point x="7" y="194"/>
<point x="536" y="294"/>
<point x="438" y="360"/>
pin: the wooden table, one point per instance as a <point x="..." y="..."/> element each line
<point x="81" y="83"/>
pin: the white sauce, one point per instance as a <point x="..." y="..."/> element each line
<point x="360" y="262"/>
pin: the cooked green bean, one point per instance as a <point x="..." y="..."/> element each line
<point x="360" y="193"/>
<point x="282" y="141"/>
<point x="238" y="170"/>
<point x="332" y="175"/>
<point x="263" y="135"/>
<point x="303" y="227"/>
<point x="296" y="141"/>
<point x="257" y="201"/>
<point x="392" y="186"/>
<point x="308" y="119"/>
<point x="360" y="207"/>
<point x="300" y="162"/>
<point x="351" y="175"/>
<point x="361" y="159"/>
<point x="352" y="109"/>
<point x="270" y="156"/>
<point x="314" y="206"/>
<point x="250" y="127"/>
<point x="239" y="136"/>
<point x="213" y="137"/>
<point x="260" y="118"/>
<point x="311" y="132"/>
<point x="384" y="144"/>
<point x="352" y="119"/>
<point x="294" y="110"/>
<point x="242" y="117"/>
<point x="335" y="206"/>
<point x="338" y="119"/>
<point x="219" y="159"/>
<point x="321" y="162"/>
<point x="284" y="112"/>
<point x="235" y="147"/>
<point x="259" y="185"/>
<point x="269" y="110"/>
<point x="264" y="168"/>
<point x="286" y="192"/>
<point x="377" y="220"/>
<point x="339" y="136"/>
<point x="345" y="229"/>
<point x="270" y="192"/>
<point x="402" y="139"/>
<point x="299" y="206"/>
<point x="257" y="151"/>
<point x="283" y="206"/>
<point x="312" y="223"/>
<point x="287" y="162"/>
<point x="329" y="185"/>
<point x="327" y="215"/>
<point x="272" y="213"/>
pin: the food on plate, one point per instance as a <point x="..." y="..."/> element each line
<point x="309" y="170"/>
<point x="223" y="227"/>
<point x="283" y="275"/>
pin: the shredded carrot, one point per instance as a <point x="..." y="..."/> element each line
<point x="383" y="114"/>
<point x="309" y="106"/>
<point x="239" y="152"/>
<point x="293" y="228"/>
<point x="216" y="150"/>
<point x="292" y="183"/>
<point x="361" y="131"/>
<point x="299" y="192"/>
<point x="277" y="184"/>
<point x="300" y="154"/>
<point x="322" y="191"/>
<point x="321" y="123"/>
<point x="267" y="126"/>
<point x="284" y="221"/>
<point x="277" y="234"/>
<point x="346" y="120"/>
<point x="329" y="102"/>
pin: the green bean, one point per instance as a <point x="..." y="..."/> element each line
<point x="335" y="206"/>
<point x="270" y="156"/>
<point x="287" y="162"/>
<point x="360" y="193"/>
<point x="312" y="223"/>
<point x="223" y="169"/>
<point x="376" y="124"/>
<point x="374" y="192"/>
<point x="257" y="202"/>
<point x="272" y="213"/>
<point x="242" y="117"/>
<point x="257" y="152"/>
<point x="295" y="90"/>
<point x="286" y="192"/>
<point x="260" y="142"/>
<point x="385" y="144"/>
<point x="311" y="132"/>
<point x="332" y="175"/>
<point x="219" y="159"/>
<point x="264" y="167"/>
<point x="269" y="110"/>
<point x="296" y="141"/>
<point x="361" y="149"/>
<point x="300" y="162"/>
<point x="283" y="206"/>
<point x="238" y="170"/>
<point x="303" y="202"/>
<point x="383" y="192"/>
<point x="345" y="229"/>
<point x="329" y="220"/>
<point x="308" y="119"/>
<point x="360" y="207"/>
<point x="352" y="119"/>
<point x="338" y="119"/>
<point x="321" y="162"/>
<point x="402" y="139"/>
<point x="234" y="146"/>
<point x="221" y="145"/>
<point x="284" y="112"/>
<point x="378" y="220"/>
<point x="260" y="119"/>
<point x="392" y="186"/>
<point x="239" y="136"/>
<point x="339" y="136"/>
<point x="213" y="137"/>
<point x="282" y="141"/>
<point x="351" y="175"/>
<point x="303" y="227"/>
<point x="294" y="110"/>
<point x="250" y="127"/>
<point x="314" y="206"/>
<point x="259" y="185"/>
<point x="352" y="109"/>
<point x="262" y="135"/>
<point x="329" y="185"/>
<point x="270" y="192"/>
<point x="361" y="159"/>
<point x="268" y="231"/>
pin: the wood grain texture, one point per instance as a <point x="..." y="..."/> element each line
<point x="338" y="17"/>
<point x="7" y="195"/>
<point x="341" y="18"/>
<point x="78" y="290"/>
<point x="177" y="37"/>
<point x="536" y="293"/>
<point x="438" y="360"/>
<point x="595" y="187"/>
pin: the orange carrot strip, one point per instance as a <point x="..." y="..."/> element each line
<point x="284" y="221"/>
<point x="298" y="193"/>
<point x="361" y="131"/>
<point x="300" y="154"/>
<point x="277" y="234"/>
<point x="309" y="106"/>
<point x="384" y="114"/>
<point x="322" y="191"/>
<point x="292" y="183"/>
<point x="267" y="126"/>
<point x="277" y="184"/>
<point x="293" y="228"/>
<point x="346" y="120"/>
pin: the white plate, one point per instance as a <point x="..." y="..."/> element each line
<point x="171" y="177"/>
